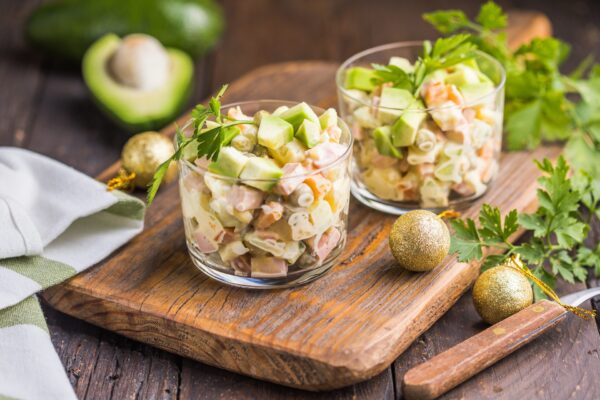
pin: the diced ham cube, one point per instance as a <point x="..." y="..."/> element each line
<point x="425" y="169"/>
<point x="287" y="185"/>
<point x="325" y="153"/>
<point x="357" y="131"/>
<point x="244" y="198"/>
<point x="204" y="243"/>
<point x="270" y="213"/>
<point x="326" y="243"/>
<point x="268" y="267"/>
<point x="469" y="114"/>
<point x="241" y="264"/>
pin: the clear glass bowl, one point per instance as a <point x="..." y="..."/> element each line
<point x="226" y="243"/>
<point x="454" y="156"/>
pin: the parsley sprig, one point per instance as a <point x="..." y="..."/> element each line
<point x="542" y="104"/>
<point x="557" y="229"/>
<point x="445" y="52"/>
<point x="208" y="140"/>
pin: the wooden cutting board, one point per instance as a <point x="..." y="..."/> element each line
<point x="346" y="327"/>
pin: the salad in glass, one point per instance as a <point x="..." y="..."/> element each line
<point x="427" y="121"/>
<point x="269" y="208"/>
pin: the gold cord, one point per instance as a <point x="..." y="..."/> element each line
<point x="449" y="214"/>
<point x="123" y="181"/>
<point x="517" y="264"/>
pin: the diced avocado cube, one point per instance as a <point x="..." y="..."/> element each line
<point x="383" y="142"/>
<point x="475" y="91"/>
<point x="230" y="162"/>
<point x="260" y="115"/>
<point x="392" y="103"/>
<point x="309" y="133"/>
<point x="360" y="78"/>
<point x="462" y="75"/>
<point x="328" y="118"/>
<point x="261" y="169"/>
<point x="274" y="132"/>
<point x="298" y="113"/>
<point x="405" y="128"/>
<point x="402" y="63"/>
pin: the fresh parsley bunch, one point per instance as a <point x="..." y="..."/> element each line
<point x="542" y="104"/>
<point x="444" y="53"/>
<point x="558" y="229"/>
<point x="209" y="141"/>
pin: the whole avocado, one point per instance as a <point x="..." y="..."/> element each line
<point x="67" y="28"/>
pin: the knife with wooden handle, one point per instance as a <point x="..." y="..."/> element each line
<point x="459" y="363"/>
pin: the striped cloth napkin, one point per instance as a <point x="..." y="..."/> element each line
<point x="54" y="223"/>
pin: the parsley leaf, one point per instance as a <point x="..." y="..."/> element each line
<point x="208" y="141"/>
<point x="556" y="230"/>
<point x="491" y="16"/>
<point x="448" y="21"/>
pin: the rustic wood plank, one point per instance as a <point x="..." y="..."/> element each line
<point x="162" y="300"/>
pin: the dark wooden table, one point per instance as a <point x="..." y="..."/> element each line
<point x="44" y="107"/>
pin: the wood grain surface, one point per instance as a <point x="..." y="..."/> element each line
<point x="446" y="370"/>
<point x="345" y="328"/>
<point x="44" y="107"/>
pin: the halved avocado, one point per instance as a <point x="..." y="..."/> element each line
<point x="137" y="109"/>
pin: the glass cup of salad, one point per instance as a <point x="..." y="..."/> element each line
<point x="427" y="127"/>
<point x="271" y="210"/>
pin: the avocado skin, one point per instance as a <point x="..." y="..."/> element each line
<point x="67" y="28"/>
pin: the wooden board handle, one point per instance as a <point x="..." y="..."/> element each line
<point x="459" y="363"/>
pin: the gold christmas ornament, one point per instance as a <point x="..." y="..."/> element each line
<point x="419" y="240"/>
<point x="142" y="155"/>
<point x="501" y="292"/>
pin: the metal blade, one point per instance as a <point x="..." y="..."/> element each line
<point x="575" y="299"/>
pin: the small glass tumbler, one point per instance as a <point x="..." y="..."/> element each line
<point x="228" y="244"/>
<point x="451" y="155"/>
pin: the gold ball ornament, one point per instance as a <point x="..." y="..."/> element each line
<point x="501" y="292"/>
<point x="419" y="240"/>
<point x="143" y="153"/>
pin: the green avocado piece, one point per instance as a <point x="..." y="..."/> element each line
<point x="309" y="133"/>
<point x="289" y="153"/>
<point x="67" y="28"/>
<point x="383" y="142"/>
<point x="475" y="91"/>
<point x="230" y="162"/>
<point x="137" y="110"/>
<point x="256" y="172"/>
<point x="405" y="128"/>
<point x="274" y="132"/>
<point x="402" y="63"/>
<point x="298" y="113"/>
<point x="360" y="78"/>
<point x="328" y="118"/>
<point x="462" y="75"/>
<point x="392" y="103"/>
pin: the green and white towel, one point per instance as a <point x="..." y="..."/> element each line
<point x="54" y="223"/>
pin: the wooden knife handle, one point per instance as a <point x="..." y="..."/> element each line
<point x="459" y="363"/>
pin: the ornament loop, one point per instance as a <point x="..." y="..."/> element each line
<point x="123" y="181"/>
<point x="517" y="264"/>
<point x="449" y="214"/>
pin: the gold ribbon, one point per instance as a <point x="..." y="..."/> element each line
<point x="123" y="181"/>
<point x="517" y="264"/>
<point x="449" y="214"/>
